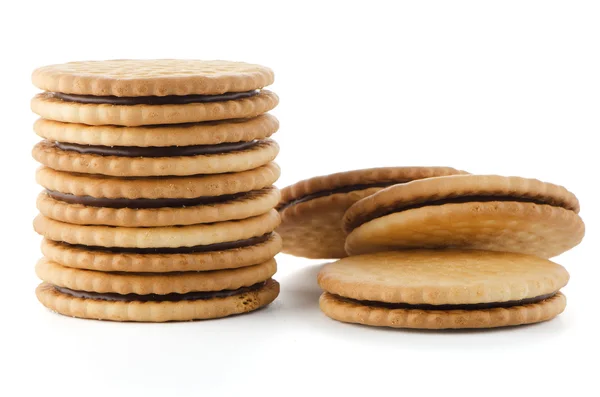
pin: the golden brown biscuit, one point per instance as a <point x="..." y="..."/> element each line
<point x="48" y="106"/>
<point x="352" y="312"/>
<point x="158" y="77"/>
<point x="158" y="311"/>
<point x="82" y="257"/>
<point x="102" y="186"/>
<point x="467" y="211"/>
<point x="207" y="133"/>
<point x="442" y="289"/>
<point x="197" y="236"/>
<point x="153" y="283"/>
<point x="253" y="156"/>
<point x="218" y="209"/>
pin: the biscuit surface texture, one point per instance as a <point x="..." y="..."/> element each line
<point x="439" y="277"/>
<point x="247" y="205"/>
<point x="207" y="133"/>
<point x="154" y="188"/>
<point x="457" y="186"/>
<point x="153" y="283"/>
<point x="432" y="289"/>
<point x="156" y="77"/>
<point x="492" y="213"/>
<point x="259" y="154"/>
<point x="157" y="237"/>
<point x="81" y="257"/>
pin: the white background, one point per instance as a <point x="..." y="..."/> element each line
<point x="509" y="87"/>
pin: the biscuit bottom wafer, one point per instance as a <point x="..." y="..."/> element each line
<point x="355" y="312"/>
<point x="82" y="257"/>
<point x="157" y="311"/>
<point x="87" y="210"/>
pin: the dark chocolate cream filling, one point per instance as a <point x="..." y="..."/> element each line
<point x="141" y="203"/>
<point x="473" y="306"/>
<point x="455" y="200"/>
<point x="342" y="189"/>
<point x="173" y="297"/>
<point x="156" y="151"/>
<point x="154" y="100"/>
<point x="228" y="245"/>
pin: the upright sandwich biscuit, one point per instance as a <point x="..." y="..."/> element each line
<point x="312" y="209"/>
<point x="442" y="289"/>
<point x="490" y="212"/>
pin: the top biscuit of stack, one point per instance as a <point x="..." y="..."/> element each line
<point x="97" y="92"/>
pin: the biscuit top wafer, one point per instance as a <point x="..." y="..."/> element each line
<point x="345" y="182"/>
<point x="442" y="277"/>
<point x="160" y="77"/>
<point x="206" y="133"/>
<point x="457" y="188"/>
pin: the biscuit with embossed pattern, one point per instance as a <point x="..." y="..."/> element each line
<point x="207" y="133"/>
<point x="157" y="237"/>
<point x="486" y="212"/>
<point x="246" y="205"/>
<point x="157" y="311"/>
<point x="81" y="257"/>
<point x="152" y="77"/>
<point x="257" y="155"/>
<point x="436" y="289"/>
<point x="153" y="283"/>
<point x="102" y="186"/>
<point x="49" y="107"/>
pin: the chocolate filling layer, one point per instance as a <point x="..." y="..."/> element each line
<point x="140" y="203"/>
<point x="456" y="200"/>
<point x="154" y="100"/>
<point x="155" y="151"/>
<point x="343" y="189"/>
<point x="474" y="306"/>
<point x="182" y="250"/>
<point x="173" y="297"/>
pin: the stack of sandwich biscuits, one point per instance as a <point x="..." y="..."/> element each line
<point x="159" y="197"/>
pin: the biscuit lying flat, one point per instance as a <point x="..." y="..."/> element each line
<point x="312" y="209"/>
<point x="149" y="92"/>
<point x="148" y="202"/>
<point x="159" y="136"/>
<point x="442" y="289"/>
<point x="155" y="297"/>
<point x="467" y="211"/>
<point x="213" y="246"/>
<point x="229" y="255"/>
<point x="168" y="237"/>
<point x="126" y="161"/>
